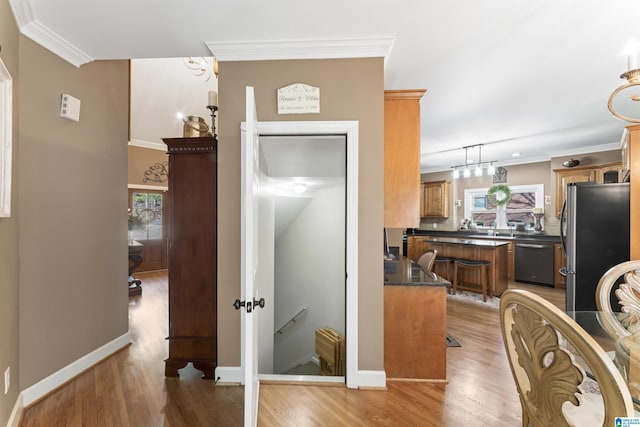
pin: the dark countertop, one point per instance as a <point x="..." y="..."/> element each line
<point x="482" y="234"/>
<point x="470" y="242"/>
<point x="404" y="272"/>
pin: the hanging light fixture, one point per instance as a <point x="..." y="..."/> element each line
<point x="200" y="67"/>
<point x="480" y="165"/>
<point x="632" y="76"/>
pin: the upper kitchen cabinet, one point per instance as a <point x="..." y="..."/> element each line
<point x="607" y="173"/>
<point x="402" y="158"/>
<point x="631" y="159"/>
<point x="435" y="199"/>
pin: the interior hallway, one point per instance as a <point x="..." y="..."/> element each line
<point x="129" y="388"/>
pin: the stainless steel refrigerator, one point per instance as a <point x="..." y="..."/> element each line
<point x="595" y="237"/>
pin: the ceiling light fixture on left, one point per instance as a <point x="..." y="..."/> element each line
<point x="202" y="67"/>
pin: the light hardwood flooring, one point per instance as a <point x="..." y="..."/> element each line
<point x="129" y="388"/>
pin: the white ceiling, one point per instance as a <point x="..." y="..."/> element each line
<point x="516" y="75"/>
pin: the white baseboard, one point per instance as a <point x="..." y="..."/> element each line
<point x="369" y="379"/>
<point x="16" y="413"/>
<point x="55" y="380"/>
<point x="228" y="375"/>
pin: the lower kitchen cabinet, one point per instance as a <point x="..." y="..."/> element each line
<point x="558" y="263"/>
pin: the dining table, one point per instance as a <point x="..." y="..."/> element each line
<point x="624" y="350"/>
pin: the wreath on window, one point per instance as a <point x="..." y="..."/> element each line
<point x="499" y="194"/>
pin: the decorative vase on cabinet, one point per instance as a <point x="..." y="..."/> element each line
<point x="192" y="255"/>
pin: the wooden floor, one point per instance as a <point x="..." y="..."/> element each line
<point x="129" y="388"/>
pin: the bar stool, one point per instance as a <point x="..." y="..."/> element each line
<point x="445" y="262"/>
<point x="471" y="265"/>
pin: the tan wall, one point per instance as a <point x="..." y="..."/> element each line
<point x="349" y="90"/>
<point x="73" y="199"/>
<point x="9" y="314"/>
<point x="140" y="161"/>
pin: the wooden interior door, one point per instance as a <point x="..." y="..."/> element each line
<point x="151" y="207"/>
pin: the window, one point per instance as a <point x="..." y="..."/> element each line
<point x="147" y="205"/>
<point x="519" y="209"/>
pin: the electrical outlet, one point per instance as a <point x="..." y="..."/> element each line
<point x="7" y="380"/>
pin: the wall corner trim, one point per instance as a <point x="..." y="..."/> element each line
<point x="42" y="388"/>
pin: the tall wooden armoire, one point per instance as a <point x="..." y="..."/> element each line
<point x="192" y="255"/>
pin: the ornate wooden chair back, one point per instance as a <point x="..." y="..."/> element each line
<point x="549" y="355"/>
<point x="427" y="260"/>
<point x="628" y="296"/>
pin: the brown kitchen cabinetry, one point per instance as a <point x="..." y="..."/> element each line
<point x="192" y="256"/>
<point x="558" y="263"/>
<point x="568" y="176"/>
<point x="402" y="158"/>
<point x="601" y="174"/>
<point x="610" y="173"/>
<point x="434" y="202"/>
<point x="511" y="262"/>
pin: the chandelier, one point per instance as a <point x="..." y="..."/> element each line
<point x="469" y="165"/>
<point x="632" y="76"/>
<point x="202" y="67"/>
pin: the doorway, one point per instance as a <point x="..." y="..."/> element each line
<point x="148" y="210"/>
<point x="267" y="327"/>
<point x="306" y="177"/>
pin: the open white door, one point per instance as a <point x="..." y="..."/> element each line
<point x="249" y="264"/>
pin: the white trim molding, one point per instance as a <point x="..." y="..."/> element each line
<point x="147" y="187"/>
<point x="228" y="375"/>
<point x="55" y="380"/>
<point x="16" y="412"/>
<point x="350" y="129"/>
<point x="372" y="379"/>
<point x="44" y="36"/>
<point x="262" y="50"/>
<point x="148" y="144"/>
<point x="6" y="139"/>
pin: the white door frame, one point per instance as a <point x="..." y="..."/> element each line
<point x="350" y="129"/>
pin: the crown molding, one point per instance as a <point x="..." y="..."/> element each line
<point x="41" y="34"/>
<point x="302" y="49"/>
<point x="585" y="150"/>
<point x="148" y="144"/>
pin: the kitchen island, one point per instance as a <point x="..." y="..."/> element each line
<point x="494" y="251"/>
<point x="415" y="309"/>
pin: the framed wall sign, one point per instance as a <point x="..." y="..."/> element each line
<point x="298" y="98"/>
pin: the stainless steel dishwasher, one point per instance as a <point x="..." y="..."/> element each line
<point x="534" y="263"/>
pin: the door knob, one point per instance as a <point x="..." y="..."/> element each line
<point x="249" y="306"/>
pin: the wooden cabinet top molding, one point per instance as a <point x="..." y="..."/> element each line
<point x="404" y="94"/>
<point x="205" y="144"/>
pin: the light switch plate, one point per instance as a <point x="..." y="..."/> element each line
<point x="70" y="107"/>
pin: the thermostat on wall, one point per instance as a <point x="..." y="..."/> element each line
<point x="70" y="107"/>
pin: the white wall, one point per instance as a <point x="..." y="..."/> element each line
<point x="266" y="277"/>
<point x="310" y="272"/>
